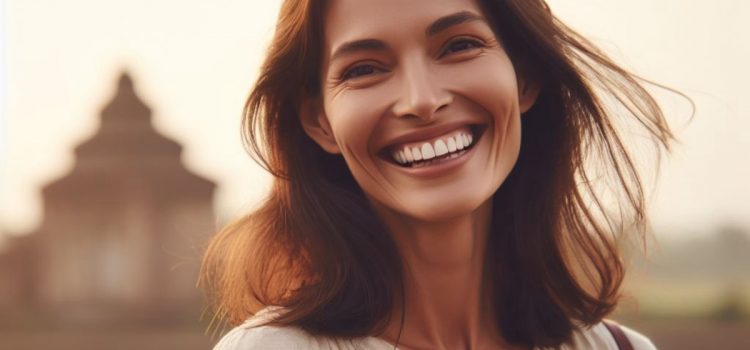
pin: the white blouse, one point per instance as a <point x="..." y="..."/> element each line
<point x="251" y="336"/>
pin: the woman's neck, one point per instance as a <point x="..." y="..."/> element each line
<point x="443" y="280"/>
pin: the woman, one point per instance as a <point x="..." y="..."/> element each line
<point x="430" y="189"/>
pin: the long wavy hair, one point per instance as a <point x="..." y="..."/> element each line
<point x="316" y="248"/>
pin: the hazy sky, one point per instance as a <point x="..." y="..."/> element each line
<point x="193" y="62"/>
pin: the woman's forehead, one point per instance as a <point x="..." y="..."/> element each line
<point x="350" y="20"/>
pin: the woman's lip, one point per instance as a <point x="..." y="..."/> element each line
<point x="425" y="134"/>
<point x="438" y="169"/>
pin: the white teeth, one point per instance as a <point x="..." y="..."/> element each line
<point x="416" y="154"/>
<point x="399" y="156"/>
<point x="407" y="155"/>
<point x="427" y="151"/>
<point x="451" y="144"/>
<point x="440" y="148"/>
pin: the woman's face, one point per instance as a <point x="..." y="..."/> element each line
<point x="405" y="81"/>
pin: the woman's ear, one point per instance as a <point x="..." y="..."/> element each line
<point x="528" y="92"/>
<point x="315" y="123"/>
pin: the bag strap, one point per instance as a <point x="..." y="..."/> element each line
<point x="623" y="343"/>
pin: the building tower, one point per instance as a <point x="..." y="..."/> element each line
<point x="122" y="232"/>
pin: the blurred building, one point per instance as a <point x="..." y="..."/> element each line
<point x="122" y="233"/>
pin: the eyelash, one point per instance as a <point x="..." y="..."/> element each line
<point x="348" y="72"/>
<point x="371" y="68"/>
<point x="476" y="44"/>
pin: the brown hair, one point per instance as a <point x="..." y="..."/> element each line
<point x="315" y="247"/>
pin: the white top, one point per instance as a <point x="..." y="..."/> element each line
<point x="250" y="336"/>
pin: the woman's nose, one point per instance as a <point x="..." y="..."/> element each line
<point x="420" y="94"/>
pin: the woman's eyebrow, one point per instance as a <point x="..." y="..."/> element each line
<point x="358" y="45"/>
<point x="436" y="27"/>
<point x="455" y="19"/>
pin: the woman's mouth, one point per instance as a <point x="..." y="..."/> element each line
<point x="435" y="150"/>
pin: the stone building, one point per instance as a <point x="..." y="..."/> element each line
<point x="122" y="233"/>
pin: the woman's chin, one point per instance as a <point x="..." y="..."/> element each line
<point x="440" y="210"/>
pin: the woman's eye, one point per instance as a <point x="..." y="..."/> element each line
<point x="358" y="71"/>
<point x="462" y="45"/>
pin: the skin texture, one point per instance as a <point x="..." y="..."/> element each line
<point x="414" y="82"/>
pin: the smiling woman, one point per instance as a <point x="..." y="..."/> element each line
<point x="430" y="187"/>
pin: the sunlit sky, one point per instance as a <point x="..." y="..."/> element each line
<point x="193" y="62"/>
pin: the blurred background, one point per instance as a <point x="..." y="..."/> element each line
<point x="120" y="154"/>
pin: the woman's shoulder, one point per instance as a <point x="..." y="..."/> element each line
<point x="254" y="334"/>
<point x="245" y="337"/>
<point x="599" y="336"/>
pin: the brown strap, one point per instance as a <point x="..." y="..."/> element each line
<point x="623" y="343"/>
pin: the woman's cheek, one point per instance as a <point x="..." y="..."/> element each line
<point x="495" y="89"/>
<point x="352" y="121"/>
<point x="355" y="113"/>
